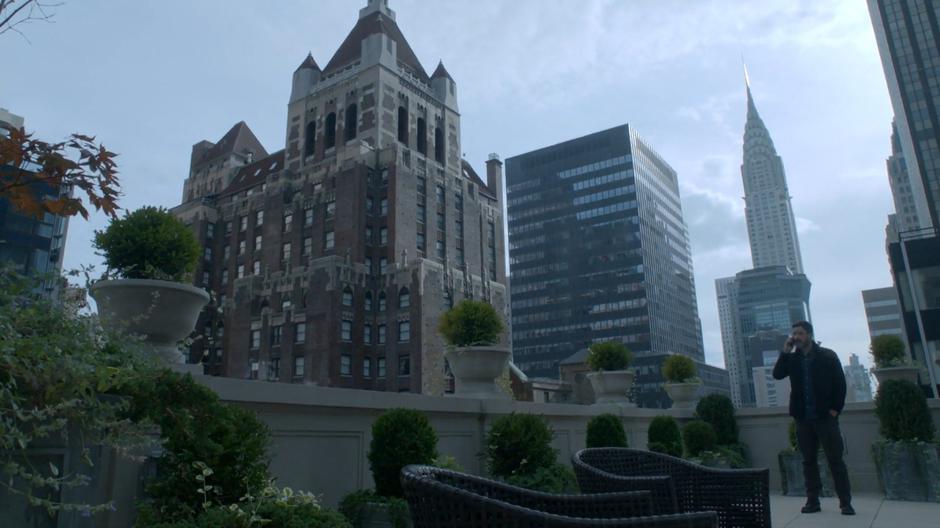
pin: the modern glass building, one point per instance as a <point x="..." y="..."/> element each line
<point x="767" y="302"/>
<point x="599" y="251"/>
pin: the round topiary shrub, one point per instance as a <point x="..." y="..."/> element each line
<point x="718" y="411"/>
<point x="663" y="436"/>
<point x="149" y="243"/>
<point x="679" y="369"/>
<point x="606" y="430"/>
<point x="611" y="355"/>
<point x="399" y="437"/>
<point x="699" y="436"/>
<point x="901" y="407"/>
<point x="519" y="444"/>
<point x="887" y="351"/>
<point x="471" y="323"/>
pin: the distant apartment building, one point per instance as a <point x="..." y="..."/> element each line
<point x="599" y="251"/>
<point x="857" y="381"/>
<point x="727" y="291"/>
<point x="333" y="258"/>
<point x="32" y="246"/>
<point x="883" y="313"/>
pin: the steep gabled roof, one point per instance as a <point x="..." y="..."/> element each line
<point x="255" y="173"/>
<point x="441" y="71"/>
<point x="308" y="63"/>
<point x="472" y="175"/>
<point x="239" y="138"/>
<point x="376" y="23"/>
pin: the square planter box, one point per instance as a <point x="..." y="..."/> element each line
<point x="791" y="474"/>
<point x="908" y="470"/>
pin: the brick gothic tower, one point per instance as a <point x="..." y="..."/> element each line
<point x="332" y="260"/>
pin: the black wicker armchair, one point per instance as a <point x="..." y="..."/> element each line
<point x="443" y="498"/>
<point x="740" y="496"/>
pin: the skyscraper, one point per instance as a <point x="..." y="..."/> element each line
<point x="907" y="217"/>
<point x="771" y="227"/>
<point x="727" y="290"/>
<point x="857" y="381"/>
<point x="333" y="258"/>
<point x="599" y="251"/>
<point x="909" y="41"/>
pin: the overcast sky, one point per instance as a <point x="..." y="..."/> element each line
<point x="150" y="79"/>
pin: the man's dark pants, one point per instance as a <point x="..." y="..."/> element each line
<point x="825" y="433"/>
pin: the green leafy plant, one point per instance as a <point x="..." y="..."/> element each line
<point x="471" y="323"/>
<point x="606" y="430"/>
<point x="699" y="436"/>
<point x="663" y="436"/>
<point x="901" y="407"/>
<point x="399" y="437"/>
<point x="447" y="462"/>
<point x="718" y="411"/>
<point x="57" y="370"/>
<point x="149" y="243"/>
<point x="519" y="444"/>
<point x="611" y="355"/>
<point x="556" y="478"/>
<point x="887" y="350"/>
<point x="355" y="507"/>
<point x="679" y="369"/>
<point x="197" y="427"/>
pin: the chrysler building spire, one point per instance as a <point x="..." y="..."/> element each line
<point x="771" y="226"/>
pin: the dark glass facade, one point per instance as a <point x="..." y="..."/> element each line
<point x="598" y="252"/>
<point x="769" y="300"/>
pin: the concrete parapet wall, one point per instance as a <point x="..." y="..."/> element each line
<point x="321" y="436"/>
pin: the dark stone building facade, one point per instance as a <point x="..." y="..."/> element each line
<point x="333" y="259"/>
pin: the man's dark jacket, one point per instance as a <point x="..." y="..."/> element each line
<point x="828" y="381"/>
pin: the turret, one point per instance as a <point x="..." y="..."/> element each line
<point x="444" y="86"/>
<point x="306" y="76"/>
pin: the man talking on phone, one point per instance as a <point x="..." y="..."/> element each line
<point x="817" y="395"/>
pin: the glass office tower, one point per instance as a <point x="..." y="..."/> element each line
<point x="599" y="251"/>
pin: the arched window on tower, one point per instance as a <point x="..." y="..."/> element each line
<point x="422" y="136"/>
<point x="352" y="120"/>
<point x="438" y="145"/>
<point x="403" y="125"/>
<point x="329" y="133"/>
<point x="310" y="139"/>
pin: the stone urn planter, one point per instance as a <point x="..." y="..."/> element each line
<point x="476" y="369"/>
<point x="905" y="372"/>
<point x="612" y="386"/>
<point x="791" y="474"/>
<point x="163" y="313"/>
<point x="683" y="395"/>
<point x="908" y="470"/>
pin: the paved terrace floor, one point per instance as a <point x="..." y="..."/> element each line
<point x="871" y="511"/>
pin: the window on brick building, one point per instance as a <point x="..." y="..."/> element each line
<point x="255" y="339"/>
<point x="300" y="332"/>
<point x="256" y="267"/>
<point x="310" y="139"/>
<point x="346" y="330"/>
<point x="308" y="246"/>
<point x="438" y="145"/>
<point x="259" y="218"/>
<point x="308" y="217"/>
<point x="383" y="236"/>
<point x="367" y="302"/>
<point x="367" y="334"/>
<point x="345" y="365"/>
<point x="299" y="367"/>
<point x="403" y="125"/>
<point x="422" y="139"/>
<point x="404" y="331"/>
<point x="286" y="251"/>
<point x="329" y="132"/>
<point x="288" y="221"/>
<point x="258" y="241"/>
<point x="243" y="223"/>
<point x="382" y="301"/>
<point x="241" y="247"/>
<point x="404" y="366"/>
<point x="328" y="240"/>
<point x="381" y="368"/>
<point x="240" y="271"/>
<point x="382" y="334"/>
<point x="276" y="334"/>
<point x="352" y="121"/>
<point x="404" y="298"/>
<point x="366" y="367"/>
<point x="347" y="297"/>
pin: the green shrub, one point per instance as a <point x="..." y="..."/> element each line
<point x="471" y="323"/>
<point x="149" y="243"/>
<point x="354" y="508"/>
<point x="556" y="478"/>
<point x="901" y="407"/>
<point x="399" y="437"/>
<point x="606" y="430"/>
<point x="663" y="436"/>
<point x="611" y="355"/>
<point x="197" y="427"/>
<point x="718" y="411"/>
<point x="699" y="436"/>
<point x="679" y="369"/>
<point x="887" y="351"/>
<point x="519" y="444"/>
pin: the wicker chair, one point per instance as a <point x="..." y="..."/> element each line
<point x="443" y="498"/>
<point x="740" y="496"/>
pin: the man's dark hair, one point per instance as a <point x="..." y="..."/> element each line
<point x="805" y="325"/>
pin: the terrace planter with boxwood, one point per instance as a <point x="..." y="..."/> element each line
<point x="681" y="383"/>
<point x="610" y="380"/>
<point x="891" y="362"/>
<point x="149" y="253"/>
<point x="472" y="329"/>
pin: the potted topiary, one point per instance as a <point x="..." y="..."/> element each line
<point x="681" y="381"/>
<point x="472" y="329"/>
<point x="149" y="254"/>
<point x="891" y="362"/>
<point x="606" y="430"/>
<point x="908" y="459"/>
<point x="791" y="469"/>
<point x="663" y="436"/>
<point x="610" y="380"/>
